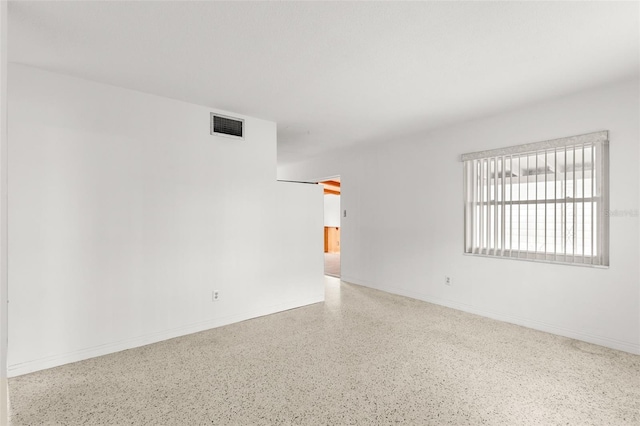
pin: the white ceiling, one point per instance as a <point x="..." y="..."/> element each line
<point x="336" y="75"/>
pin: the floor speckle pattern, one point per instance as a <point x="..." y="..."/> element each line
<point x="363" y="357"/>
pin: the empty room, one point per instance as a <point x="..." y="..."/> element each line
<point x="319" y="213"/>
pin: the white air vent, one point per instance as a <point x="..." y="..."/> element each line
<point x="227" y="126"/>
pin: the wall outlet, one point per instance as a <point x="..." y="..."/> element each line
<point x="447" y="280"/>
<point x="215" y="296"/>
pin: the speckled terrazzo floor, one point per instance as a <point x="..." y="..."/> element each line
<point x="362" y="357"/>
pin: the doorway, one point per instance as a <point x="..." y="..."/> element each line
<point x="332" y="226"/>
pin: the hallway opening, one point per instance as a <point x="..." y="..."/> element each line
<point x="332" y="226"/>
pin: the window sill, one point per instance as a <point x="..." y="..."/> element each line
<point x="553" y="262"/>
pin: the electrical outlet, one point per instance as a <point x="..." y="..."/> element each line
<point x="215" y="296"/>
<point x="447" y="280"/>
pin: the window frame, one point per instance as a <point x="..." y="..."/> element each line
<point x="493" y="178"/>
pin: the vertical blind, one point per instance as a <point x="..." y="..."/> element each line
<point x="545" y="201"/>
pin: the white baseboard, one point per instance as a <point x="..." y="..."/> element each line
<point x="108" y="348"/>
<point x="621" y="345"/>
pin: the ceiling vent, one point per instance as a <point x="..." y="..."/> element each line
<point x="227" y="126"/>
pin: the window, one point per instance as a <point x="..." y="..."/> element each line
<point x="545" y="201"/>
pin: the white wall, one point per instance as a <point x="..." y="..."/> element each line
<point x="331" y="210"/>
<point x="3" y="214"/>
<point x="404" y="234"/>
<point x="125" y="214"/>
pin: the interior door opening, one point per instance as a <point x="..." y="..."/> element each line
<point x="332" y="226"/>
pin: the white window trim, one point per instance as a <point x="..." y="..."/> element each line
<point x="599" y="141"/>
